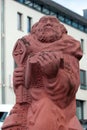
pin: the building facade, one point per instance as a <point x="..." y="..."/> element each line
<point x="17" y="18"/>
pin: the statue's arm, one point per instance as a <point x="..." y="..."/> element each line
<point x="69" y="74"/>
<point x="67" y="80"/>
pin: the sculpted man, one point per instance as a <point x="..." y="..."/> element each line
<point x="46" y="79"/>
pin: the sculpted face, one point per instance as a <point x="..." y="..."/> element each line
<point x="48" y="29"/>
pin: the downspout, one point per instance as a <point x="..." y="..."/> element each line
<point x="3" y="51"/>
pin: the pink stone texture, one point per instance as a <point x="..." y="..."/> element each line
<point x="46" y="79"/>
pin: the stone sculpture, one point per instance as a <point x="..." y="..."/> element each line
<point x="46" y="79"/>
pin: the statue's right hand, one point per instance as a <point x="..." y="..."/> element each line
<point x="18" y="76"/>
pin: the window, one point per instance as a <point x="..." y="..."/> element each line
<point x="82" y="44"/>
<point x="53" y="13"/>
<point x="83" y="79"/>
<point x="3" y="116"/>
<point x="68" y="21"/>
<point x="19" y="21"/>
<point x="37" y="7"/>
<point x="81" y="27"/>
<point x="74" y="24"/>
<point x="21" y="1"/>
<point x="45" y="10"/>
<point x="79" y="109"/>
<point x="61" y="18"/>
<point x="28" y="24"/>
<point x="86" y="29"/>
<point x="29" y="3"/>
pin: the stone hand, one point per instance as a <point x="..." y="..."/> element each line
<point x="18" y="76"/>
<point x="49" y="62"/>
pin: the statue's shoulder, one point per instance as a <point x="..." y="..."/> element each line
<point x="25" y="39"/>
<point x="68" y="38"/>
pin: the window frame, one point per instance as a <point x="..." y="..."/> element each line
<point x="19" y="21"/>
<point x="29" y="19"/>
<point x="80" y="106"/>
<point x="83" y="84"/>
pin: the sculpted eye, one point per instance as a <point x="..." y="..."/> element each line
<point x="54" y="20"/>
<point x="42" y="20"/>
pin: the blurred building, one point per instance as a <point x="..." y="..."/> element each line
<point x="17" y="17"/>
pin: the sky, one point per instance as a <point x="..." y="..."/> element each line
<point x="75" y="5"/>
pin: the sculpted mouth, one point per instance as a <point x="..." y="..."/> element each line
<point x="48" y="26"/>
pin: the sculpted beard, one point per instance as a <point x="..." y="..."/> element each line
<point x="47" y="34"/>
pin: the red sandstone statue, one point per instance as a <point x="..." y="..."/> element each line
<point x="46" y="79"/>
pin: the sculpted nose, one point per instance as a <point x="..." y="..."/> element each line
<point x="48" y="22"/>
